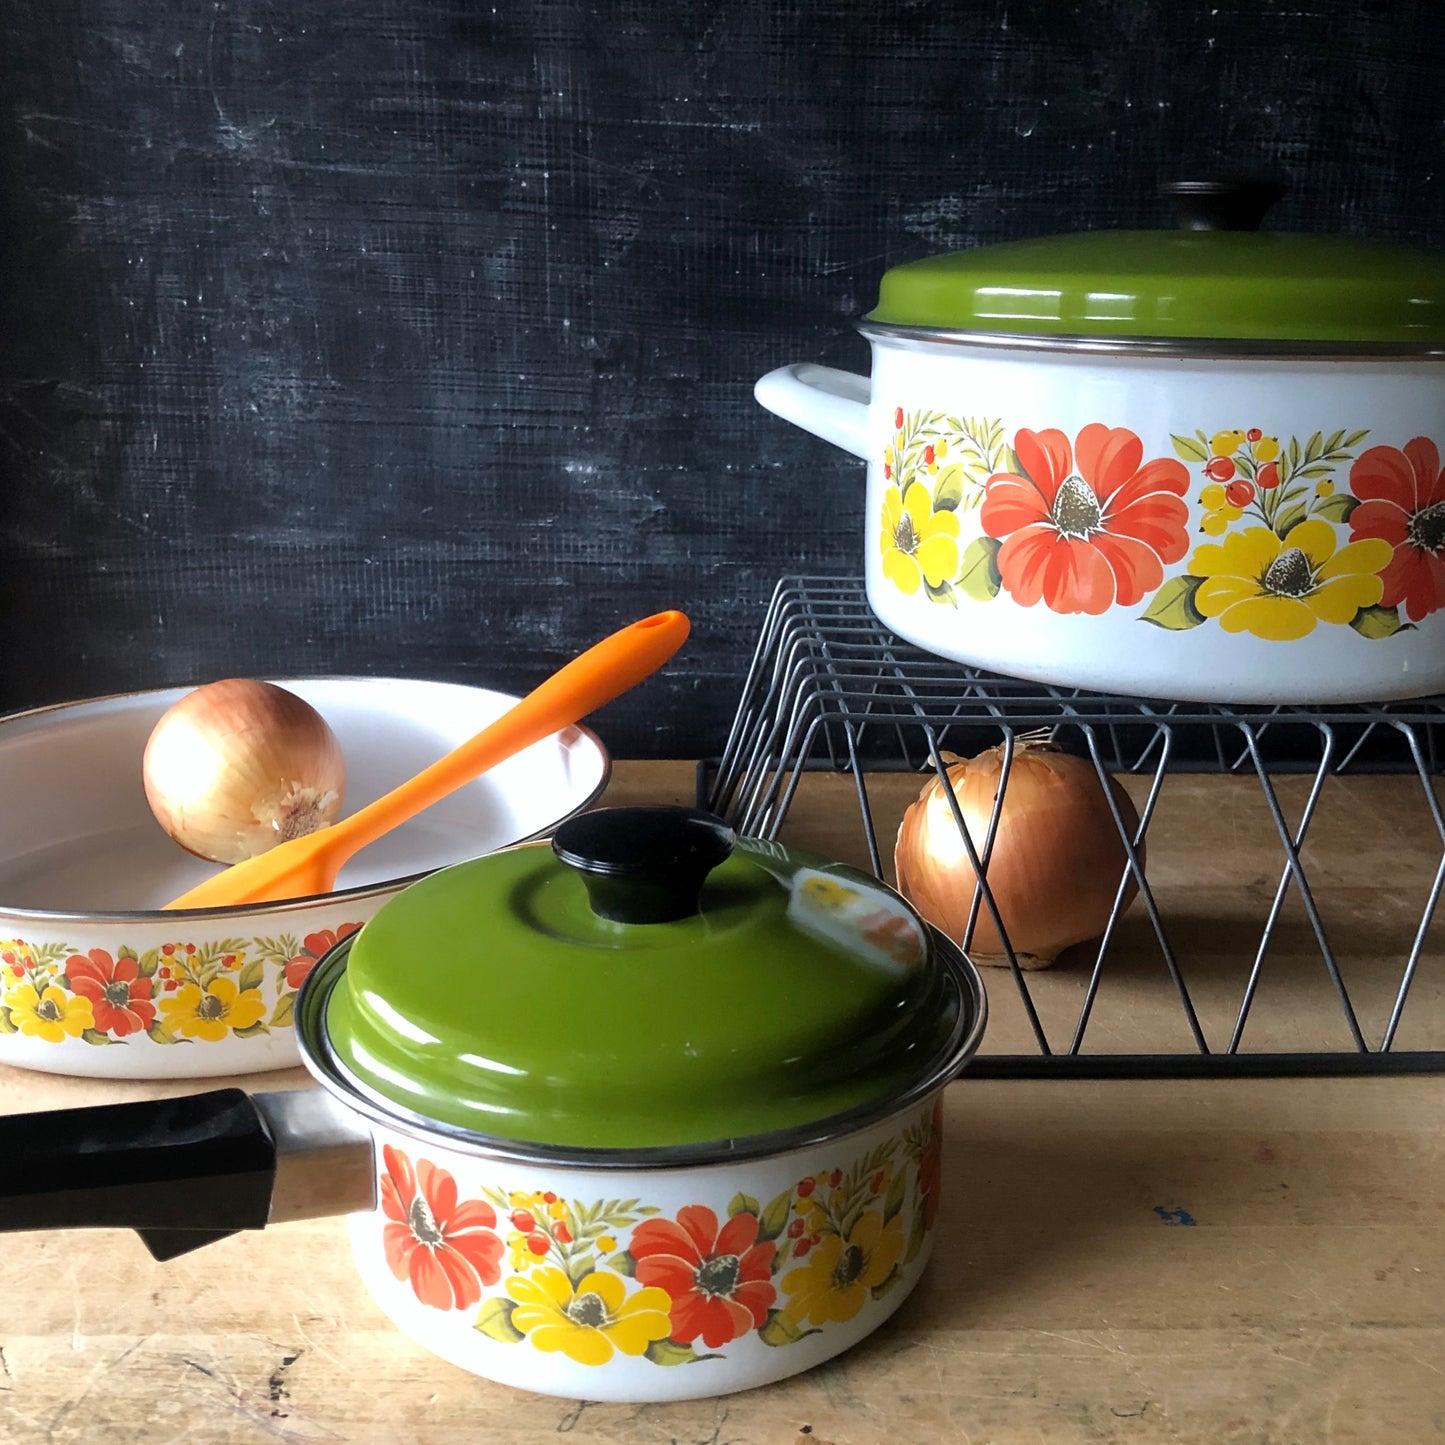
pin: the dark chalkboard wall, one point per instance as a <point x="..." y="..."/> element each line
<point x="418" y="336"/>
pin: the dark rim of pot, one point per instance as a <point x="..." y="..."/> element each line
<point x="319" y="1056"/>
<point x="1200" y="347"/>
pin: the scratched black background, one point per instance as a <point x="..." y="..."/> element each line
<point x="419" y="337"/>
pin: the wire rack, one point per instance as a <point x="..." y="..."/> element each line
<point x="1288" y="860"/>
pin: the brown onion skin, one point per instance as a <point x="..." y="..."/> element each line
<point x="263" y="765"/>
<point x="1057" y="857"/>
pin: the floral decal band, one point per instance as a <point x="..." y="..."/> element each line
<point x="1295" y="534"/>
<point x="178" y="993"/>
<point x="593" y="1279"/>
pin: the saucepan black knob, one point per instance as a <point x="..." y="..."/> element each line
<point x="1222" y="203"/>
<point x="643" y="865"/>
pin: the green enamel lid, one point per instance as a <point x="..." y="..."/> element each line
<point x="648" y="981"/>
<point x="1204" y="283"/>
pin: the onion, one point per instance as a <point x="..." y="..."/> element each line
<point x="1057" y="856"/>
<point x="238" y="766"/>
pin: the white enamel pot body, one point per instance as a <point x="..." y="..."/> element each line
<point x="660" y="1273"/>
<point x="650" y="1284"/>
<point x="1165" y="522"/>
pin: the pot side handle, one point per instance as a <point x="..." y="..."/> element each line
<point x="181" y="1172"/>
<point x="831" y="404"/>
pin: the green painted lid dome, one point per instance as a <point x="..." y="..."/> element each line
<point x="1209" y="282"/>
<point x="648" y="981"/>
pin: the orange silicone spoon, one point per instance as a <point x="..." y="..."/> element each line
<point x="306" y="866"/>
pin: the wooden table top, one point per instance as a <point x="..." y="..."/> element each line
<point x="1259" y="1261"/>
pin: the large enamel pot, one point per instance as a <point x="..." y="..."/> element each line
<point x="1201" y="464"/>
<point x="658" y="1097"/>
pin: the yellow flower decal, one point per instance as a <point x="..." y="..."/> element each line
<point x="918" y="543"/>
<point x="50" y="1014"/>
<point x="207" y="1013"/>
<point x="833" y="1286"/>
<point x="1279" y="589"/>
<point x="588" y="1324"/>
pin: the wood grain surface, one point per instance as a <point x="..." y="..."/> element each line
<point x="419" y="338"/>
<point x="1259" y="1262"/>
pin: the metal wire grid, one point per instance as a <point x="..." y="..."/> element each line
<point x="830" y="688"/>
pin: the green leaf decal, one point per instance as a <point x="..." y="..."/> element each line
<point x="916" y="1236"/>
<point x="669" y="1352"/>
<point x="774" y="1219"/>
<point x="284" y="1012"/>
<point x="1289" y="518"/>
<point x="94" y="1036"/>
<point x="1189" y="450"/>
<point x="148" y="962"/>
<point x="1378" y="622"/>
<point x="251" y="1030"/>
<point x="495" y="1321"/>
<point x="978" y="574"/>
<point x="252" y="975"/>
<point x="895" y="1277"/>
<point x="1172" y="606"/>
<point x="162" y="1035"/>
<point x="893" y="1201"/>
<point x="1336" y="508"/>
<point x="948" y="489"/>
<point x="623" y="1263"/>
<point x="7" y="1024"/>
<point x="743" y="1204"/>
<point x="942" y="593"/>
<point x="777" y="1329"/>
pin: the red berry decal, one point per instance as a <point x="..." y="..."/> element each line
<point x="929" y="456"/>
<point x="1221" y="468"/>
<point x="522" y="1221"/>
<point x="802" y="1247"/>
<point x="1239" y="493"/>
<point x="1268" y="476"/>
<point x="537" y="1243"/>
<point x="1254" y="434"/>
<point x="795" y="1229"/>
<point x="898" y="418"/>
<point x="806" y="1186"/>
<point x="561" y="1233"/>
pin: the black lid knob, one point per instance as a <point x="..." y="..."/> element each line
<point x="1222" y="203"/>
<point x="643" y="865"/>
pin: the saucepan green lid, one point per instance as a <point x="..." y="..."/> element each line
<point x="649" y="980"/>
<point x="1216" y="278"/>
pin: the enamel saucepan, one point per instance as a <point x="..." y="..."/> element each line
<point x="1202" y="464"/>
<point x="649" y="1114"/>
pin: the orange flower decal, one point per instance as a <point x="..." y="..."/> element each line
<point x="1402" y="502"/>
<point x="1087" y="527"/>
<point x="446" y="1249"/>
<point x="312" y="947"/>
<point x="119" y="997"/>
<point x="718" y="1278"/>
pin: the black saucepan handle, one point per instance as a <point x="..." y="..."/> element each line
<point x="180" y="1172"/>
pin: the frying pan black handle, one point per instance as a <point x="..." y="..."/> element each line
<point x="180" y="1172"/>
